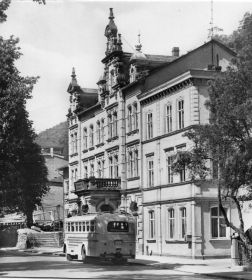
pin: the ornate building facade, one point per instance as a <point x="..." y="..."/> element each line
<point x="122" y="137"/>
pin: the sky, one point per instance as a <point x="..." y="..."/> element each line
<point x="64" y="34"/>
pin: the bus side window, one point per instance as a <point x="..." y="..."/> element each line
<point x="88" y="226"/>
<point x="84" y="226"/>
<point x="72" y="226"/>
<point x="92" y="226"/>
<point x="76" y="226"/>
<point x="79" y="226"/>
<point x="68" y="227"/>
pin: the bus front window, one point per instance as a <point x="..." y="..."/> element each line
<point x="118" y="227"/>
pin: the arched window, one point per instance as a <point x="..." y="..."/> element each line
<point x="98" y="131"/>
<point x="135" y="116"/>
<point x="85" y="136"/>
<point x="91" y="135"/>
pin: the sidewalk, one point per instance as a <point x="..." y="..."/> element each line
<point x="211" y="267"/>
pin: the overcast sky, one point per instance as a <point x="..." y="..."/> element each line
<point x="63" y="34"/>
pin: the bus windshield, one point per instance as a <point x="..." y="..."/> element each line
<point x="118" y="226"/>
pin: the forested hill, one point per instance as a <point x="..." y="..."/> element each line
<point x="55" y="136"/>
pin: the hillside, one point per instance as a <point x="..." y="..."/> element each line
<point x="56" y="136"/>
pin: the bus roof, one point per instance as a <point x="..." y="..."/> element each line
<point x="101" y="216"/>
<point x="81" y="218"/>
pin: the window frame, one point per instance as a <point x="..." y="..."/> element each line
<point x="182" y="222"/>
<point x="152" y="230"/>
<point x="218" y="217"/>
<point x="135" y="115"/>
<point x="181" y="114"/>
<point x="171" y="223"/>
<point x="168" y="118"/>
<point x="91" y="135"/>
<point x="150" y="172"/>
<point x="149" y="126"/>
<point x="85" y="138"/>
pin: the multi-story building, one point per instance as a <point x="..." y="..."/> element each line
<point x="124" y="134"/>
<point x="52" y="206"/>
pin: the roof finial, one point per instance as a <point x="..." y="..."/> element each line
<point x="74" y="81"/>
<point x="138" y="46"/>
<point x="73" y="73"/>
<point x="111" y="15"/>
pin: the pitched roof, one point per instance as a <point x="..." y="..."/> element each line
<point x="165" y="58"/>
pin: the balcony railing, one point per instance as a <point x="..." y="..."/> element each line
<point x="93" y="183"/>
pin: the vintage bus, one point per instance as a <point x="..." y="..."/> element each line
<point x="103" y="235"/>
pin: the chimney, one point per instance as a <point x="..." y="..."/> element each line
<point x="175" y="51"/>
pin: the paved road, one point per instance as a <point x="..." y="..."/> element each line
<point x="21" y="264"/>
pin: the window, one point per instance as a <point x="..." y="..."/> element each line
<point x="183" y="222"/>
<point x="115" y="124"/>
<point x="102" y="131"/>
<point x="168" y="118"/>
<point x="113" y="166"/>
<point x="85" y="136"/>
<point x="116" y="166"/>
<point x="171" y="224"/>
<point x="152" y="224"/>
<point x="117" y="226"/>
<point x="131" y="164"/>
<point x="135" y="116"/>
<point x="75" y="142"/>
<point x="91" y="135"/>
<point x="136" y="163"/>
<point x="110" y="126"/>
<point x="218" y="229"/>
<point x="112" y="78"/>
<point x="92" y="170"/>
<point x="67" y="186"/>
<point x="181" y="114"/>
<point x="130" y="118"/>
<point x="149" y="126"/>
<point x="169" y="171"/>
<point x="100" y="168"/>
<point x="150" y="173"/>
<point x="76" y="177"/>
<point x="98" y="132"/>
<point x="182" y="175"/>
<point x="85" y="171"/>
<point x="72" y="143"/>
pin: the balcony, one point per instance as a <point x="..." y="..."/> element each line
<point x="93" y="183"/>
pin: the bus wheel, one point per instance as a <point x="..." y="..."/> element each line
<point x="68" y="257"/>
<point x="83" y="255"/>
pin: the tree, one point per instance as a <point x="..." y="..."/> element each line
<point x="23" y="176"/>
<point x="226" y="141"/>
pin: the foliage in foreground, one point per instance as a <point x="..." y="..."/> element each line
<point x="23" y="176"/>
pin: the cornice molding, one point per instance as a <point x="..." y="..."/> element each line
<point x="168" y="134"/>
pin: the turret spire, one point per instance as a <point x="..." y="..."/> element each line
<point x="138" y="46"/>
<point x="74" y="80"/>
<point x="111" y="15"/>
